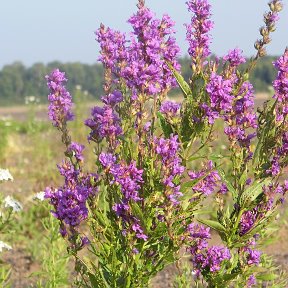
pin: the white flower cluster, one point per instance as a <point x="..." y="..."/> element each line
<point x="5" y="175"/>
<point x="3" y="245"/>
<point x="12" y="203"/>
<point x="39" y="196"/>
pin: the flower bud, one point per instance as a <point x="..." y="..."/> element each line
<point x="257" y="45"/>
<point x="264" y="31"/>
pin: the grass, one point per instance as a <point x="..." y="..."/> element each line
<point x="31" y="148"/>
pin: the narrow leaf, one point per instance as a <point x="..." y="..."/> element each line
<point x="229" y="185"/>
<point x="213" y="224"/>
<point x="184" y="86"/>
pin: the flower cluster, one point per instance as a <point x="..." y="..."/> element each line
<point x="60" y="99"/>
<point x="207" y="179"/>
<point x="247" y="221"/>
<point x="171" y="168"/>
<point x="219" y="90"/>
<point x="76" y="150"/>
<point x="5" y="175"/>
<point x="271" y="192"/>
<point x="252" y="256"/>
<point x="129" y="179"/>
<point x="152" y="44"/>
<point x="113" y="51"/>
<point x="10" y="202"/>
<point x="69" y="201"/>
<point x="169" y="109"/>
<point x="281" y="109"/>
<point x="251" y="281"/>
<point x="204" y="257"/>
<point x="242" y="120"/>
<point x="141" y="61"/>
<point x="234" y="58"/>
<point x="105" y="123"/>
<point x="198" y="30"/>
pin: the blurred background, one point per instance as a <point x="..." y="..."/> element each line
<point x="37" y="36"/>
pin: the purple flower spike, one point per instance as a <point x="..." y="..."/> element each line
<point x="198" y="30"/>
<point x="234" y="57"/>
<point x="152" y="44"/>
<point x="204" y="257"/>
<point x="59" y="110"/>
<point x="167" y="150"/>
<point x="104" y="124"/>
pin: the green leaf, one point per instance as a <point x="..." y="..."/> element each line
<point x="250" y="194"/>
<point x="189" y="184"/>
<point x="267" y="277"/>
<point x="213" y="224"/>
<point x="184" y="86"/>
<point x="94" y="281"/>
<point x="229" y="277"/>
<point x="229" y="185"/>
<point x="137" y="211"/>
<point x="166" y="127"/>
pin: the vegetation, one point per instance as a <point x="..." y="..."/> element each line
<point x="18" y="81"/>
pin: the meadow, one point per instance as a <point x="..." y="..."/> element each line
<point x="147" y="189"/>
<point x="31" y="147"/>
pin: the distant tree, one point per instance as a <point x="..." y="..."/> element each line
<point x="18" y="81"/>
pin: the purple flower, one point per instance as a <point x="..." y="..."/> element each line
<point x="113" y="98"/>
<point x="242" y="119"/>
<point x="204" y="257"/>
<point x="113" y="48"/>
<point x="247" y="221"/>
<point x="199" y="231"/>
<point x="251" y="281"/>
<point x="275" y="167"/>
<point x="129" y="178"/>
<point x="281" y="86"/>
<point x="107" y="160"/>
<point x="169" y="109"/>
<point x="198" y="30"/>
<point x="278" y="153"/>
<point x="252" y="256"/>
<point x="76" y="150"/>
<point x="69" y="201"/>
<point x="220" y="92"/>
<point x="60" y="106"/>
<point x="152" y="43"/>
<point x="234" y="57"/>
<point x="208" y="179"/>
<point x="215" y="256"/>
<point x="171" y="168"/>
<point x="84" y="241"/>
<point x="104" y="124"/>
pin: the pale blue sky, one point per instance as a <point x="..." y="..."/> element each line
<point x="42" y="31"/>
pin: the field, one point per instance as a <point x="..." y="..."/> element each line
<point x="30" y="147"/>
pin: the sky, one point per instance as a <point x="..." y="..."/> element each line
<point x="43" y="31"/>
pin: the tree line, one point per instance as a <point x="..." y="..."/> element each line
<point x="18" y="81"/>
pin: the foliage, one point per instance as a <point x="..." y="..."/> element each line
<point x="18" y="81"/>
<point x="143" y="204"/>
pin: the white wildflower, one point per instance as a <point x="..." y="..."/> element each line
<point x="39" y="196"/>
<point x="14" y="204"/>
<point x="5" y="175"/>
<point x="3" y="245"/>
